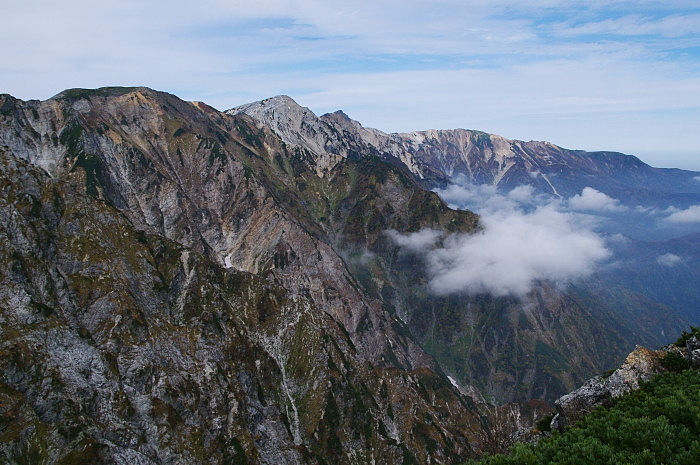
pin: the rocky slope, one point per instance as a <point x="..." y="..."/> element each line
<point x="168" y="298"/>
<point x="123" y="347"/>
<point x="219" y="185"/>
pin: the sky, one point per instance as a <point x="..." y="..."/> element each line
<point x="594" y="75"/>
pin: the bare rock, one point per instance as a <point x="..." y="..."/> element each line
<point x="693" y="352"/>
<point x="640" y="365"/>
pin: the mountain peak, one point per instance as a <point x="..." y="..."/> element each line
<point x="340" y="117"/>
<point x="280" y="100"/>
<point x="293" y="123"/>
<point x="266" y="110"/>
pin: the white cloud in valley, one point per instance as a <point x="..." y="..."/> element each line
<point x="524" y="239"/>
<point x="689" y="215"/>
<point x="592" y="199"/>
<point x="417" y="242"/>
<point x="669" y="260"/>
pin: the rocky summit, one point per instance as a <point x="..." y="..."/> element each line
<point x="187" y="286"/>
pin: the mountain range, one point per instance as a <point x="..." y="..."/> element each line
<point x="437" y="156"/>
<point x="184" y="285"/>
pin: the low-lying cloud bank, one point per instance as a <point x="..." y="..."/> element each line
<point x="669" y="260"/>
<point x="689" y="215"/>
<point x="525" y="238"/>
<point x="591" y="199"/>
<point x="511" y="253"/>
<point x="529" y="237"/>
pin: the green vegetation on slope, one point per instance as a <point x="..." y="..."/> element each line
<point x="686" y="335"/>
<point x="658" y="424"/>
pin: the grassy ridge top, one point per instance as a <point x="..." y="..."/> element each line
<point x="79" y="93"/>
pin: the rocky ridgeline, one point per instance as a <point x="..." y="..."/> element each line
<point x="435" y="156"/>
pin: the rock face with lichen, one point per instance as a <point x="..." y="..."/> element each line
<point x="170" y="294"/>
<point x="693" y="352"/>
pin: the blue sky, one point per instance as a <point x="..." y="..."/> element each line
<point x="592" y="75"/>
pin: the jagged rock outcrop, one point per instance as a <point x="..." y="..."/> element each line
<point x="693" y="352"/>
<point x="640" y="366"/>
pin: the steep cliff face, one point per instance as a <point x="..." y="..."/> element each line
<point x="119" y="346"/>
<point x="219" y="185"/>
<point x="172" y="293"/>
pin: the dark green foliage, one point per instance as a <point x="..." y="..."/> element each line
<point x="70" y="137"/>
<point x="550" y="358"/>
<point x="686" y="335"/>
<point x="250" y="135"/>
<point x="93" y="171"/>
<point x="7" y="106"/>
<point x="239" y="458"/>
<point x="482" y="139"/>
<point x="673" y="361"/>
<point x="544" y="424"/>
<point x="658" y="424"/>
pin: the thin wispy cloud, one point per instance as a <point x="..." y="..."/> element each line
<point x="673" y="26"/>
<point x="617" y="75"/>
